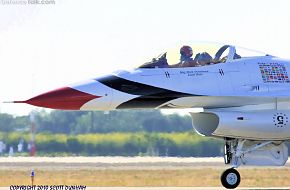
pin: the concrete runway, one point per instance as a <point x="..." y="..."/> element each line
<point x="119" y="163"/>
<point x="115" y="163"/>
<point x="166" y="188"/>
<point x="176" y="188"/>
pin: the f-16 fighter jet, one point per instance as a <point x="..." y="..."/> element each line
<point x="245" y="97"/>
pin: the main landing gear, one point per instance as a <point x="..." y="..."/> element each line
<point x="239" y="152"/>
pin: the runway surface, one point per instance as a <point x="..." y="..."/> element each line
<point x="175" y="188"/>
<point x="121" y="163"/>
<point x="54" y="163"/>
<point x="169" y="188"/>
<point x="115" y="163"/>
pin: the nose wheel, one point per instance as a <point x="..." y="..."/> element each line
<point x="230" y="178"/>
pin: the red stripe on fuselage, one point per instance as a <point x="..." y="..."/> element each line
<point x="63" y="98"/>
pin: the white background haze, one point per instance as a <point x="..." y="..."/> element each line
<point x="43" y="47"/>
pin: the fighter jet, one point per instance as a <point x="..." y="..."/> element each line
<point x="245" y="98"/>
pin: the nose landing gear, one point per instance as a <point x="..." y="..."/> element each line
<point x="239" y="152"/>
<point x="230" y="178"/>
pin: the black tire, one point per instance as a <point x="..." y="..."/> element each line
<point x="230" y="178"/>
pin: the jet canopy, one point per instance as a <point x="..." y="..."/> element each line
<point x="202" y="55"/>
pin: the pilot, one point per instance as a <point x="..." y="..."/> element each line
<point x="186" y="57"/>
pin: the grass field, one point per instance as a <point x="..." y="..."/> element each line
<point x="251" y="177"/>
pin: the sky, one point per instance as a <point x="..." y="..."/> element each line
<point x="46" y="46"/>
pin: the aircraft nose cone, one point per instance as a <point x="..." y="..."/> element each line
<point x="63" y="98"/>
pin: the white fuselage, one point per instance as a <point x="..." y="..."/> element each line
<point x="242" y="88"/>
<point x="223" y="85"/>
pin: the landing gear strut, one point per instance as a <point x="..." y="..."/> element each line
<point x="230" y="178"/>
<point x="239" y="152"/>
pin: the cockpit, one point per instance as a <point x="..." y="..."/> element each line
<point x="201" y="55"/>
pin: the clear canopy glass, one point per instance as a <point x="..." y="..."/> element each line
<point x="202" y="54"/>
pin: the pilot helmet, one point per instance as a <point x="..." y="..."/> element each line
<point x="186" y="51"/>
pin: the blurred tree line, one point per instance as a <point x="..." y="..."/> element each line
<point x="80" y="122"/>
<point x="116" y="133"/>
<point x="185" y="144"/>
